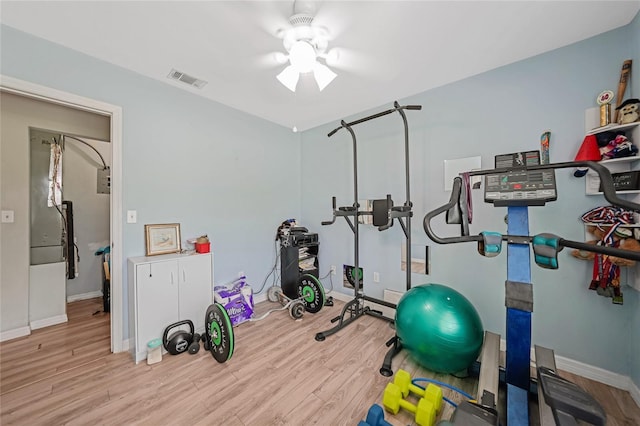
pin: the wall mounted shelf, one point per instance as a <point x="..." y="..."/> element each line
<point x="616" y="165"/>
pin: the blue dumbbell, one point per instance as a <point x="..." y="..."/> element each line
<point x="375" y="417"/>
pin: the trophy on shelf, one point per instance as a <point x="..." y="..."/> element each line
<point x="604" y="100"/>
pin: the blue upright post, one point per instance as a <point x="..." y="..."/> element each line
<point x="518" y="322"/>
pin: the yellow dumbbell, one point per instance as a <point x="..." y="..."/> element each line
<point x="425" y="412"/>
<point x="432" y="392"/>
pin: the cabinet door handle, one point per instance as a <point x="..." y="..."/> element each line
<point x="184" y="276"/>
<point x="172" y="281"/>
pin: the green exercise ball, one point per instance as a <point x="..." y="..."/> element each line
<point x="439" y="327"/>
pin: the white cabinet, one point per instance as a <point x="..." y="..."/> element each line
<point x="166" y="289"/>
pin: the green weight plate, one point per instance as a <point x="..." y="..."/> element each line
<point x="311" y="291"/>
<point x="219" y="332"/>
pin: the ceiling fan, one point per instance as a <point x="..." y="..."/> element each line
<point x="305" y="44"/>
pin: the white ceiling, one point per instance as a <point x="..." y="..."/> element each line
<point x="387" y="49"/>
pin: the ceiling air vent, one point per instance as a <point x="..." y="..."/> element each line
<point x="186" y="78"/>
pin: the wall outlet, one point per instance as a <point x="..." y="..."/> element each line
<point x="333" y="269"/>
<point x="376" y="277"/>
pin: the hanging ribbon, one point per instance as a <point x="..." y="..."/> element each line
<point x="608" y="219"/>
<point x="608" y="215"/>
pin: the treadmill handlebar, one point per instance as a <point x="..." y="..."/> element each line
<point x="608" y="191"/>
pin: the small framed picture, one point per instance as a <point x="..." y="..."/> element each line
<point x="162" y="238"/>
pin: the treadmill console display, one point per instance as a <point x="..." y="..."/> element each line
<point x="518" y="186"/>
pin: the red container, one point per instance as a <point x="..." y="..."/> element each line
<point x="203" y="247"/>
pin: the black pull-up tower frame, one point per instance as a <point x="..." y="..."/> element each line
<point x="355" y="308"/>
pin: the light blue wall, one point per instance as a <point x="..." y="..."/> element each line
<point x="213" y="169"/>
<point x="634" y="334"/>
<point x="500" y="111"/>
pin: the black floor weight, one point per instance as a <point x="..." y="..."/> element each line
<point x="180" y="340"/>
<point x="194" y="347"/>
<point x="206" y="344"/>
<point x="218" y="332"/>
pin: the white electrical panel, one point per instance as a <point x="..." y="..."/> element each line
<point x="104" y="181"/>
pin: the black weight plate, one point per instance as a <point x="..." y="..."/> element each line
<point x="351" y="275"/>
<point x="297" y="310"/>
<point x="219" y="332"/>
<point x="311" y="291"/>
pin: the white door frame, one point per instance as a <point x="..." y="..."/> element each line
<point x="47" y="94"/>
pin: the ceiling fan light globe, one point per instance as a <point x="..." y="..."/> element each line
<point x="302" y="56"/>
<point x="289" y="78"/>
<point x="323" y="75"/>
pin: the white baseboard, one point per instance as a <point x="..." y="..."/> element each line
<point x="635" y="392"/>
<point x="15" y="333"/>
<point x="341" y="296"/>
<point x="84" y="296"/>
<point x="262" y="297"/>
<point x="586" y="370"/>
<point x="46" y="322"/>
<point x="390" y="296"/>
<point x="257" y="298"/>
<point x="126" y="345"/>
<point x="594" y="373"/>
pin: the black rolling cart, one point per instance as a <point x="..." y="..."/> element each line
<point x="300" y="289"/>
<point x="298" y="256"/>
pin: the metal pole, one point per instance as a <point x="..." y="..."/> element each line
<point x="356" y="230"/>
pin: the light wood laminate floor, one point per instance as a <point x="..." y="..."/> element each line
<point x="278" y="375"/>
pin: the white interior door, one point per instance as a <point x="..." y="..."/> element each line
<point x="156" y="295"/>
<point x="196" y="291"/>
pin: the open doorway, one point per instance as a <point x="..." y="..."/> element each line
<point x="16" y="258"/>
<point x="88" y="192"/>
<point x="69" y="222"/>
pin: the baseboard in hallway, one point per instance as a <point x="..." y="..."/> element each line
<point x="84" y="296"/>
<point x="48" y="322"/>
<point x="15" y="333"/>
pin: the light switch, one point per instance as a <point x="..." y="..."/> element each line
<point x="132" y="216"/>
<point x="7" y="216"/>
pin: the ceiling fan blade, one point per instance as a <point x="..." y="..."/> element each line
<point x="323" y="75"/>
<point x="271" y="60"/>
<point x="289" y="78"/>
